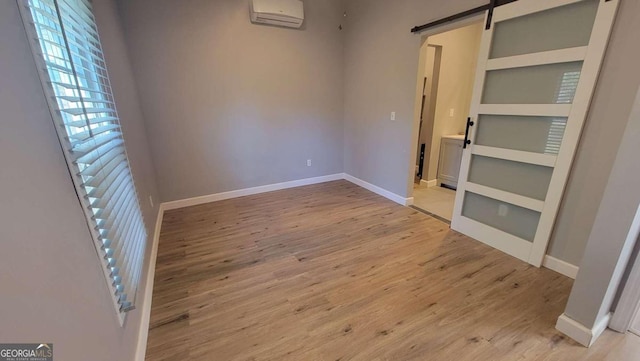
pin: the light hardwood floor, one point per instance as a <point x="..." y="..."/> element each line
<point x="335" y="272"/>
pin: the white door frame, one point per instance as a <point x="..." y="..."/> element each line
<point x="421" y="74"/>
<point x="635" y="322"/>
<point x="628" y="307"/>
<point x="591" y="55"/>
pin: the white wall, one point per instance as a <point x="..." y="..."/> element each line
<point x="457" y="74"/>
<point x="381" y="63"/>
<point x="53" y="288"/>
<point x="230" y="104"/>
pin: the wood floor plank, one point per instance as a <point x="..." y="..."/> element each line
<point x="334" y="272"/>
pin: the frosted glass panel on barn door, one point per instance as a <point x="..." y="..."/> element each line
<point x="537" y="70"/>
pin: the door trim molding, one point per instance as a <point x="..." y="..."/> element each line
<point x="630" y="298"/>
<point x="627" y="307"/>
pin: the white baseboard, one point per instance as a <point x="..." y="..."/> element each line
<point x="430" y="183"/>
<point x="145" y="310"/>
<point x="580" y="333"/>
<point x="248" y="191"/>
<point x="560" y="266"/>
<point x="284" y="185"/>
<point x="381" y="191"/>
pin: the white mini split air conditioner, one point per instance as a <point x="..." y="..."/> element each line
<point x="288" y="13"/>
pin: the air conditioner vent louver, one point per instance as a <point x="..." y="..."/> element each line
<point x="271" y="20"/>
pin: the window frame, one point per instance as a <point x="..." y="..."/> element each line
<point x="63" y="135"/>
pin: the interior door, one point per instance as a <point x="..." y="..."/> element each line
<point x="537" y="68"/>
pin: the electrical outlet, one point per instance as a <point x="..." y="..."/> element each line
<point x="151" y="201"/>
<point x="452" y="112"/>
<point x="503" y="210"/>
<point x="393" y="116"/>
<point x="308" y="162"/>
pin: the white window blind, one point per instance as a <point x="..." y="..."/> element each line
<point x="67" y="49"/>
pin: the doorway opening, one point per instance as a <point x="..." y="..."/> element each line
<point x="447" y="72"/>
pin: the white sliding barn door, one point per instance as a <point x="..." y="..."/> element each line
<point x="537" y="68"/>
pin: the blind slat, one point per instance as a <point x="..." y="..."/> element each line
<point x="80" y="111"/>
<point x="123" y="229"/>
<point x="87" y="147"/>
<point x="104" y="207"/>
<point x="72" y="86"/>
<point x="122" y="261"/>
<point x="104" y="174"/>
<point x="107" y="185"/>
<point x="96" y="120"/>
<point x="126" y="266"/>
<point x="108" y="227"/>
<point x="90" y="158"/>
<point x="132" y="273"/>
<point x="78" y="99"/>
<point x="80" y="74"/>
<point x="93" y="132"/>
<point x="121" y="223"/>
<point x="112" y="157"/>
<point x="138" y="259"/>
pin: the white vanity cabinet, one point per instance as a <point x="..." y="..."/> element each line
<point x="449" y="160"/>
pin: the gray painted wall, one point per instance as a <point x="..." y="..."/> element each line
<point x="53" y="289"/>
<point x="604" y="261"/>
<point x="381" y="64"/>
<point x="232" y="105"/>
<point x="604" y="128"/>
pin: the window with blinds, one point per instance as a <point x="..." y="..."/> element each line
<point x="66" y="45"/>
